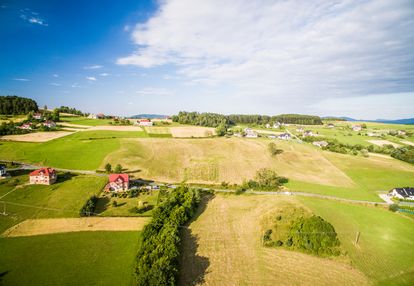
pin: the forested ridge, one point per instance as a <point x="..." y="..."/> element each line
<point x="215" y="119"/>
<point x="12" y="104"/>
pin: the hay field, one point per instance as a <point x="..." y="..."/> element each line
<point x="32" y="227"/>
<point x="192" y="131"/>
<point x="115" y="128"/>
<point x="36" y="137"/>
<point x="223" y="159"/>
<point x="384" y="142"/>
<point x="158" y="130"/>
<point x="223" y="247"/>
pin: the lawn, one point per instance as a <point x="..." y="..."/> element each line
<point x="86" y="121"/>
<point x="81" y="258"/>
<point x="62" y="199"/>
<point x="385" y="251"/>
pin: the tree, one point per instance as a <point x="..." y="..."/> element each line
<point x="45" y="107"/>
<point x="55" y="115"/>
<point x="267" y="178"/>
<point x="221" y="130"/>
<point x="108" y="168"/>
<point x="273" y="149"/>
<point x="118" y="169"/>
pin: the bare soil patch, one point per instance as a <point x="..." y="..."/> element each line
<point x="58" y="225"/>
<point x="407" y="142"/>
<point x="36" y="137"/>
<point x="384" y="142"/>
<point x="223" y="247"/>
<point x="188" y="132"/>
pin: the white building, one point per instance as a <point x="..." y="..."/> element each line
<point x="357" y="128"/>
<point x="284" y="136"/>
<point x="250" y="133"/>
<point x="320" y="144"/>
<point x="406" y="193"/>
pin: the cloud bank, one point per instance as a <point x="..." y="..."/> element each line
<point x="306" y="51"/>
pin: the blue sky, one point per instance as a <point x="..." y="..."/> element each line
<point x="343" y="57"/>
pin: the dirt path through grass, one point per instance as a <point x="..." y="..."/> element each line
<point x="32" y="227"/>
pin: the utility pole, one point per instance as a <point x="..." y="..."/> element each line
<point x="357" y="237"/>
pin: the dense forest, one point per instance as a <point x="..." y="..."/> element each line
<point x="65" y="109"/>
<point x="214" y="119"/>
<point x="12" y="104"/>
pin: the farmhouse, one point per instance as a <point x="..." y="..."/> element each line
<point x="144" y="122"/>
<point x="92" y="116"/>
<point x="357" y="128"/>
<point x="49" y="124"/>
<point x="308" y="133"/>
<point x="117" y="183"/>
<point x="406" y="193"/>
<point x="300" y="129"/>
<point x="43" y="176"/>
<point x="284" y="136"/>
<point x="250" y="133"/>
<point x="268" y="125"/>
<point x="100" y="116"/>
<point x="26" y="126"/>
<point x="330" y="125"/>
<point x="38" y="116"/>
<point x="276" y="125"/>
<point x="320" y="144"/>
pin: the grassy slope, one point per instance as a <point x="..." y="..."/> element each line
<point x="84" y="258"/>
<point x="385" y="248"/>
<point x="67" y="196"/>
<point x="86" y="121"/>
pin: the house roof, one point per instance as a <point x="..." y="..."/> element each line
<point x="45" y="171"/>
<point x="115" y="177"/>
<point x="144" y="120"/>
<point x="405" y="192"/>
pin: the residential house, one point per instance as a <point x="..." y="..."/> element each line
<point x="250" y="133"/>
<point x="100" y="116"/>
<point x="3" y="171"/>
<point x="357" y="128"/>
<point x="144" y="122"/>
<point x="117" y="183"/>
<point x="284" y="136"/>
<point x="320" y="144"/>
<point x="49" y="124"/>
<point x="330" y="125"/>
<point x="308" y="133"/>
<point x="43" y="176"/>
<point x="92" y="116"/>
<point x="267" y="125"/>
<point x="276" y="125"/>
<point x="38" y="116"/>
<point x="26" y="126"/>
<point x="300" y="130"/>
<point x="406" y="193"/>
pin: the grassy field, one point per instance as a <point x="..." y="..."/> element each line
<point x="385" y="251"/>
<point x="86" y="121"/>
<point x="63" y="199"/>
<point x="223" y="247"/>
<point x="82" y="258"/>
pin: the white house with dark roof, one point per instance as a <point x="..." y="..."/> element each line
<point x="284" y="136"/>
<point x="406" y="193"/>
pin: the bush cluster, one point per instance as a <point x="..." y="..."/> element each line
<point x="265" y="180"/>
<point x="88" y="208"/>
<point x="157" y="258"/>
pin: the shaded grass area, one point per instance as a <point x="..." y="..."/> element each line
<point x="82" y="258"/>
<point x="62" y="199"/>
<point x="385" y="249"/>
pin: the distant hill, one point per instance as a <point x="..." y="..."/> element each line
<point x="150" y="116"/>
<point x="396" y="121"/>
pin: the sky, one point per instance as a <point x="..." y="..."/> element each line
<point x="328" y="58"/>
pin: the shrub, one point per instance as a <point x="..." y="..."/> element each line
<point x="393" y="207"/>
<point x="273" y="149"/>
<point x="114" y="204"/>
<point x="89" y="207"/>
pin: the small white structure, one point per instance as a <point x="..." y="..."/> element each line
<point x="300" y="130"/>
<point x="406" y="193"/>
<point x="330" y="125"/>
<point x="402" y="132"/>
<point x="308" y="133"/>
<point x="38" y="116"/>
<point x="276" y="125"/>
<point x="267" y="125"/>
<point x="3" y="171"/>
<point x="144" y="122"/>
<point x="284" y="136"/>
<point x="92" y="116"/>
<point x="250" y="133"/>
<point x="320" y="144"/>
<point x="357" y="128"/>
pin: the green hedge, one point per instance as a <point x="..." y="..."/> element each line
<point x="88" y="208"/>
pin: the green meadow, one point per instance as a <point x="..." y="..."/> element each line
<point x="78" y="258"/>
<point x="385" y="249"/>
<point x="62" y="199"/>
<point x="85" y="121"/>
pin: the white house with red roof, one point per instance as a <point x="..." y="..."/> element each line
<point x="144" y="122"/>
<point x="38" y="116"/>
<point x="43" y="176"/>
<point x="26" y="126"/>
<point x="49" y="124"/>
<point x="117" y="183"/>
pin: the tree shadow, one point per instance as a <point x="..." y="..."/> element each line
<point x="63" y="177"/>
<point x="2" y="274"/>
<point x="102" y="204"/>
<point x="193" y="267"/>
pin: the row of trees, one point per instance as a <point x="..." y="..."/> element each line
<point x="118" y="169"/>
<point x="12" y="104"/>
<point x="66" y="109"/>
<point x="157" y="258"/>
<point x="265" y="180"/>
<point x="215" y="120"/>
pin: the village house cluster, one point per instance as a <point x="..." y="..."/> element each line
<point x="39" y="117"/>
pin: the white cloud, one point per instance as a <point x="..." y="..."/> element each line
<point x="75" y="85"/>
<point x="92" y="78"/>
<point x="55" y="75"/>
<point x="303" y="50"/>
<point x="153" y="91"/>
<point x="32" y="17"/>
<point x="127" y="28"/>
<point x="54" y="84"/>
<point x="21" y="79"/>
<point x="104" y="74"/>
<point x="93" y="67"/>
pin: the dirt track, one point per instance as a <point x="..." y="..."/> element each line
<point x="59" y="225"/>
